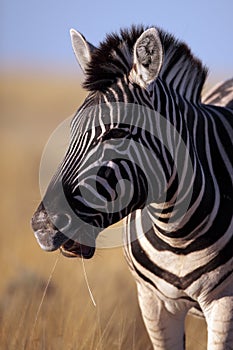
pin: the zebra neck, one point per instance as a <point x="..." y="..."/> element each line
<point x="181" y="70"/>
<point x="166" y="231"/>
<point x="165" y="217"/>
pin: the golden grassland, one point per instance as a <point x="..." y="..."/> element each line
<point x="31" y="107"/>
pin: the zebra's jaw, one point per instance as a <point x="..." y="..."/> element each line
<point x="72" y="249"/>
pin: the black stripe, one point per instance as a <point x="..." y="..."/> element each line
<point x="181" y="283"/>
<point x="146" y="279"/>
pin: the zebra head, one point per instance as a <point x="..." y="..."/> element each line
<point x="107" y="171"/>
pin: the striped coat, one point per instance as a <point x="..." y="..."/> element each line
<point x="144" y="122"/>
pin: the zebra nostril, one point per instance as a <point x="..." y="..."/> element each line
<point x="62" y="221"/>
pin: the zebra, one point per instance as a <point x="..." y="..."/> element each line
<point x="144" y="147"/>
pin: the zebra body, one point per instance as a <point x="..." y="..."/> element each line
<point x="144" y="122"/>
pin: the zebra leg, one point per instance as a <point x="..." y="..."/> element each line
<point x="164" y="323"/>
<point x="219" y="317"/>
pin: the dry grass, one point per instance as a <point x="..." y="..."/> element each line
<point x="31" y="107"/>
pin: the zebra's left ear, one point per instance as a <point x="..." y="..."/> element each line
<point x="147" y="58"/>
<point x="82" y="49"/>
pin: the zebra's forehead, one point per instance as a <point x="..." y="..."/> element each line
<point x="97" y="110"/>
<point x="94" y="121"/>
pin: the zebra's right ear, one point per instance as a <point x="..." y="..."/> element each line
<point x="147" y="58"/>
<point x="82" y="49"/>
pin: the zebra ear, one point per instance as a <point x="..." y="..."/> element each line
<point x="82" y="49"/>
<point x="147" y="58"/>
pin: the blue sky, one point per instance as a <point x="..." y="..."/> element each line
<point x="36" y="33"/>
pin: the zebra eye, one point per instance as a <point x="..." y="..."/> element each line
<point x="115" y="134"/>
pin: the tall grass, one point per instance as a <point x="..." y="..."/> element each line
<point x="32" y="108"/>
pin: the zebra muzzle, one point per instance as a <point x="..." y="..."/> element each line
<point x="55" y="231"/>
<point x="47" y="235"/>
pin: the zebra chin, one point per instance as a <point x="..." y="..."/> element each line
<point x="73" y="249"/>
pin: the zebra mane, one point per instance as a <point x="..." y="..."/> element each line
<point x="114" y="59"/>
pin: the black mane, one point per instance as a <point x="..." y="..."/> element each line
<point x="114" y="58"/>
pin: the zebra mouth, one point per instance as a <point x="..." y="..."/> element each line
<point x="73" y="249"/>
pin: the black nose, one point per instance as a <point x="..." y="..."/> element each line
<point x="40" y="219"/>
<point x="48" y="228"/>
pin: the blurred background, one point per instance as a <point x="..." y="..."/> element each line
<point x="39" y="88"/>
